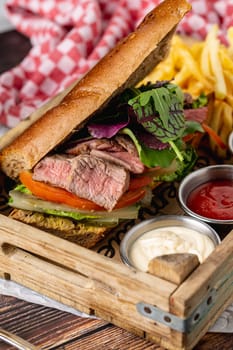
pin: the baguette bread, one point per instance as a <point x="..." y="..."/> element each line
<point x="84" y="234"/>
<point x="124" y="66"/>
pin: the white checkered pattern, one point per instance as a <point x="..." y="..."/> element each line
<point x="70" y="36"/>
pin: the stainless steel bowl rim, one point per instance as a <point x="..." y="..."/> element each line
<point x="222" y="171"/>
<point x="164" y="221"/>
<point x="230" y="142"/>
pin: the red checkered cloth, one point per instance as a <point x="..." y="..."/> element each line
<point x="70" y="36"/>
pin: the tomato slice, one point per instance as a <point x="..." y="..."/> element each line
<point x="56" y="194"/>
<point x="130" y="198"/>
<point x="188" y="137"/>
<point x="59" y="195"/>
<point x="139" y="182"/>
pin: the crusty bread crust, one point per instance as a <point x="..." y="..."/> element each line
<point x="122" y="67"/>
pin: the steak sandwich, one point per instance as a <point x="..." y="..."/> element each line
<point x="88" y="162"/>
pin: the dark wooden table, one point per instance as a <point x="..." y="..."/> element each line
<point x="53" y="329"/>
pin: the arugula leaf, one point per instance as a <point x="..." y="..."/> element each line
<point x="160" y="112"/>
<point x="182" y="168"/>
<point x="192" y="126"/>
<point x="151" y="157"/>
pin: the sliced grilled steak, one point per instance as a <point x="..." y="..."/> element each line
<point x="127" y="144"/>
<point x="119" y="150"/>
<point x="196" y="114"/>
<point x="86" y="176"/>
<point x="125" y="159"/>
<point x="100" y="144"/>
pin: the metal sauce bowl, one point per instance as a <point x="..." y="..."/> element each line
<point x="199" y="177"/>
<point x="163" y="221"/>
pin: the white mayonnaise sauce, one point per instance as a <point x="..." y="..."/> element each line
<point x="169" y="240"/>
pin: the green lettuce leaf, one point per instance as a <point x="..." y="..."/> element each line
<point x="150" y="157"/>
<point x="191" y="127"/>
<point x="182" y="168"/>
<point x="160" y="111"/>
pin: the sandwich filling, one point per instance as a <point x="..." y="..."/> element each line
<point x="139" y="140"/>
<point x="86" y="176"/>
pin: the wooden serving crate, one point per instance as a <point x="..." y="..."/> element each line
<point x="98" y="283"/>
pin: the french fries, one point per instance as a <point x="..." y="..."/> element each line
<point x="203" y="67"/>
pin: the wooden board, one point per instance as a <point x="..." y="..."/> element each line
<point x="96" y="281"/>
<point x="96" y="284"/>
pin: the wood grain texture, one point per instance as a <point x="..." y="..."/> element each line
<point x="72" y="276"/>
<point x="52" y="329"/>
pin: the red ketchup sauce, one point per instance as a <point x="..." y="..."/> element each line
<point x="213" y="200"/>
